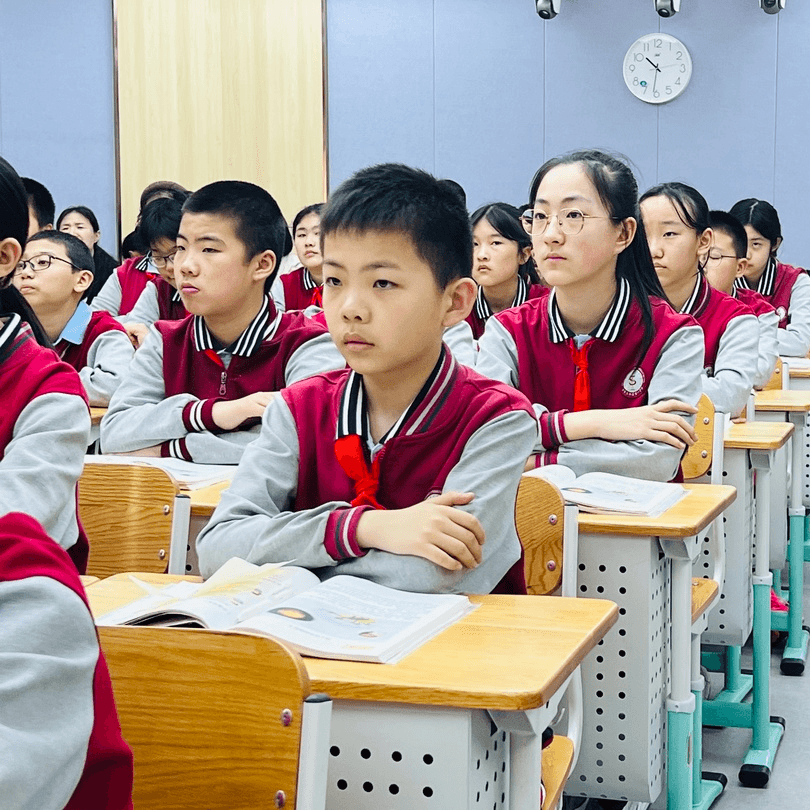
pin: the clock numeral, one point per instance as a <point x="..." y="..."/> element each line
<point x="658" y="43"/>
<point x="678" y="81"/>
<point x="639" y="57"/>
<point x="646" y="46"/>
<point x="635" y="81"/>
<point x="631" y="68"/>
<point x="669" y="90"/>
<point x="656" y="94"/>
<point x="679" y="54"/>
<point x="683" y="68"/>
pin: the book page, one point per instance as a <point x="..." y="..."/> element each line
<point x="616" y="493"/>
<point x="189" y="476"/>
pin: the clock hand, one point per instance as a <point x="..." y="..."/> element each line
<point x="658" y="69"/>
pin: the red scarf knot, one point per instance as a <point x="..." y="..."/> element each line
<point x="350" y="456"/>
<point x="582" y="381"/>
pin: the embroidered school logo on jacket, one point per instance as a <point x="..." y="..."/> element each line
<point x="634" y="383"/>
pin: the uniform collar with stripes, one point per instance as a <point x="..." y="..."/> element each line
<point x="609" y="329"/>
<point x="698" y="298"/>
<point x="482" y="308"/>
<point x="417" y="417"/>
<point x="144" y="265"/>
<point x="263" y="327"/>
<point x="176" y="299"/>
<point x="766" y="281"/>
<point x="308" y="281"/>
<point x="8" y="332"/>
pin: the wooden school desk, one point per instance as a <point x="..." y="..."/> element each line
<point x="795" y="405"/>
<point x="644" y="564"/>
<point x="96" y="415"/>
<point x="457" y="723"/>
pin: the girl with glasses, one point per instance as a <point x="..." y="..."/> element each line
<point x="503" y="266"/>
<point x="613" y="372"/>
<point x="786" y="288"/>
<point x="676" y="219"/>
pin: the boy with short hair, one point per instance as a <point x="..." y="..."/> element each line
<point x="403" y="468"/>
<point x="41" y="207"/>
<point x="54" y="276"/>
<point x="198" y="387"/>
<point x="727" y="261"/>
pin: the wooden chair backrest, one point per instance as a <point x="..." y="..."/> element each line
<point x="698" y="458"/>
<point x="213" y="719"/>
<point x="776" y="383"/>
<point x="126" y="511"/>
<point x="539" y="519"/>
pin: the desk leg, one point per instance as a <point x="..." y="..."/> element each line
<point x="526" y="755"/>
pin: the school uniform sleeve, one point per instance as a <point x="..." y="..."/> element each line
<point x="43" y="461"/>
<point x="313" y="357"/>
<point x="768" y="347"/>
<point x="497" y="354"/>
<point x="459" y="339"/>
<point x="735" y="366"/>
<point x="794" y="341"/>
<point x="677" y="376"/>
<point x="107" y="363"/>
<point x="48" y="656"/>
<point x="109" y="296"/>
<point x="277" y="293"/>
<point x="140" y="415"/>
<point x="146" y="309"/>
<point x="254" y="520"/>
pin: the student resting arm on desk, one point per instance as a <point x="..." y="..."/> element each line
<point x="404" y="468"/>
<point x="613" y="372"/>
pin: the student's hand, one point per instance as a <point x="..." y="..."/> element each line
<point x="230" y="414"/>
<point x="433" y="529"/>
<point x="137" y="333"/>
<point x="655" y="423"/>
<point x="150" y="452"/>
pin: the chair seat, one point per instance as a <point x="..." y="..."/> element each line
<point x="704" y="592"/>
<point x="557" y="759"/>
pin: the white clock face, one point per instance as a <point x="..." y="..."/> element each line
<point x="657" y="68"/>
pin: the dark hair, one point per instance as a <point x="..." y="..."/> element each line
<point x="160" y="220"/>
<point x="616" y="186"/>
<point x="315" y="208"/>
<point x="84" y="211"/>
<point x="14" y="225"/>
<point x="257" y="220"/>
<point x="132" y="243"/>
<point x="396" y="198"/>
<point x="78" y="253"/>
<point x="162" y="189"/>
<point x="690" y="204"/>
<point x="40" y="201"/>
<point x="723" y="222"/>
<point x="505" y="219"/>
<point x="457" y="187"/>
<point x="762" y="217"/>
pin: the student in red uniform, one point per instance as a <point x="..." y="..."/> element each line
<point x="402" y="468"/>
<point x="727" y="262"/>
<point x="610" y="368"/>
<point x="44" y="418"/>
<point x="197" y="388"/>
<point x="160" y="299"/>
<point x="785" y="288"/>
<point x="60" y="740"/>
<point x="676" y="219"/>
<point x="54" y="275"/>
<point x="303" y="287"/>
<point x="503" y="267"/>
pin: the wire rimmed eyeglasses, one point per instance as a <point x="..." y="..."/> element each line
<point x="42" y="262"/>
<point x="162" y="261"/>
<point x="570" y="220"/>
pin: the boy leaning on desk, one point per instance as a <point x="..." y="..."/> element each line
<point x="402" y="468"/>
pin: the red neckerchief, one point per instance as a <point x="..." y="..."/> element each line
<point x="350" y="456"/>
<point x="582" y="382"/>
<point x="317" y="297"/>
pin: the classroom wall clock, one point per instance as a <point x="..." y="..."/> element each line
<point x="657" y="68"/>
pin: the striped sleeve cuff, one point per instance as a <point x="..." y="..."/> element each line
<point x="340" y="537"/>
<point x="552" y="429"/>
<point x="197" y="416"/>
<point x="546" y="458"/>
<point x="175" y="448"/>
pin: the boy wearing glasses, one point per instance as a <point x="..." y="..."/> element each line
<point x="198" y="387"/>
<point x="53" y="276"/>
<point x="160" y="299"/>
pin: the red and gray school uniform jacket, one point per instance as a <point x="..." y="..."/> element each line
<point x="123" y="288"/>
<point x="98" y="347"/>
<point x="531" y="348"/>
<point x="787" y="290"/>
<point x="296" y="290"/>
<point x="44" y="433"/>
<point x="159" y="301"/>
<point x="731" y="332"/>
<point x="60" y="739"/>
<point x="291" y="499"/>
<point x="180" y="372"/>
<point x="768" y="333"/>
<point x="482" y="312"/>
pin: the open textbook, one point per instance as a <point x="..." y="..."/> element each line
<point x="342" y="617"/>
<point x="187" y="474"/>
<point x="606" y="492"/>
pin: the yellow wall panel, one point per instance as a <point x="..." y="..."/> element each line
<point x="221" y="90"/>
